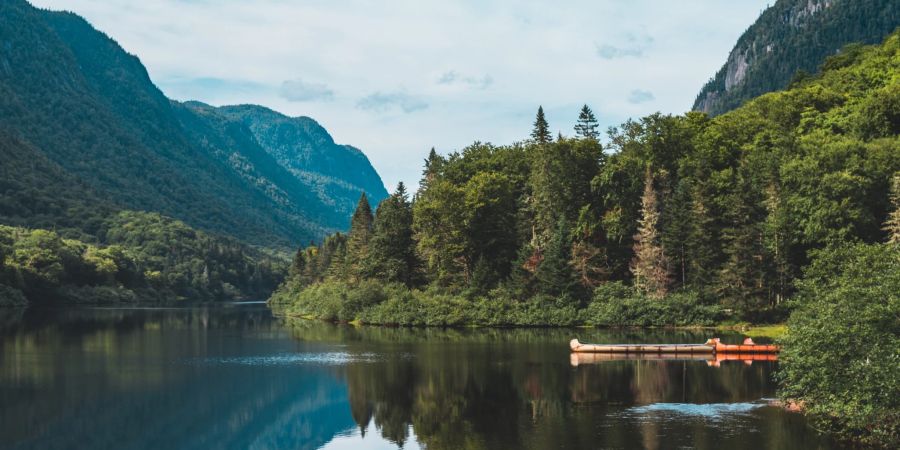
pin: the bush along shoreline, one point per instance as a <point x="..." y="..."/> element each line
<point x="841" y="357"/>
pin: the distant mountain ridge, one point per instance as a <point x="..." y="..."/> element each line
<point x="337" y="173"/>
<point x="74" y="97"/>
<point x="792" y="36"/>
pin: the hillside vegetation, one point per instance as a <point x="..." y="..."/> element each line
<point x="144" y="258"/>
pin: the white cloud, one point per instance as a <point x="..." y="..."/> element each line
<point x="224" y="52"/>
<point x="640" y="96"/>
<point x="633" y="45"/>
<point x="301" y="91"/>
<point x="451" y="78"/>
<point x="386" y="101"/>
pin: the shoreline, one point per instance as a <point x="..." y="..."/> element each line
<point x="772" y="331"/>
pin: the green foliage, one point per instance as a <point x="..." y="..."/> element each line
<point x="840" y="355"/>
<point x="144" y="257"/>
<point x="373" y="302"/>
<point x="586" y="126"/>
<point x="560" y="183"/>
<point x="392" y="252"/>
<point x="650" y="265"/>
<point x="615" y="304"/>
<point x="541" y="132"/>
<point x="358" y="238"/>
<point x="892" y="224"/>
<point x="554" y="274"/>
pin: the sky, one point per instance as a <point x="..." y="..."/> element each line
<point x="397" y="78"/>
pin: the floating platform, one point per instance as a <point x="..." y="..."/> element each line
<point x="711" y="346"/>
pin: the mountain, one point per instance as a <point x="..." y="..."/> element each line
<point x="73" y="101"/>
<point x="790" y="38"/>
<point x="337" y="174"/>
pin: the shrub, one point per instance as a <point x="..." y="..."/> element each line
<point x="842" y="349"/>
<point x="615" y="304"/>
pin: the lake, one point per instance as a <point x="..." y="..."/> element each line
<point x="235" y="376"/>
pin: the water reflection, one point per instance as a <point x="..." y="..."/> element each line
<point x="238" y="378"/>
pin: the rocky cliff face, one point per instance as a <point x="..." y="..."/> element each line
<point x="789" y="36"/>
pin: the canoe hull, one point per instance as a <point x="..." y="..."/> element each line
<point x="583" y="358"/>
<point x="579" y="347"/>
<point x="747" y="347"/>
<point x="712" y="346"/>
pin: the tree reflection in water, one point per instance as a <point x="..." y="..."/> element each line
<point x="517" y="388"/>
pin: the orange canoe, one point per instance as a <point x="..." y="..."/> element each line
<point x="747" y="347"/>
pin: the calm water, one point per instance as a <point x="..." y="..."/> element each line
<point x="237" y="377"/>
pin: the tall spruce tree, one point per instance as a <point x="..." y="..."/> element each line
<point x="742" y="276"/>
<point x="433" y="164"/>
<point x="392" y="254"/>
<point x="555" y="275"/>
<point x="358" y="238"/>
<point x="298" y="265"/>
<point x="892" y="224"/>
<point x="541" y="132"/>
<point x="587" y="124"/>
<point x="650" y="265"/>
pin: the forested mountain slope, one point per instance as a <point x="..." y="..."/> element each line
<point x="336" y="174"/>
<point x="792" y="36"/>
<point x="71" y="96"/>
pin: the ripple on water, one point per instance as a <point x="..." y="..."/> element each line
<point x="707" y="411"/>
<point x="288" y="359"/>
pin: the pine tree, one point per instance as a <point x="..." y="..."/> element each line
<point x="392" y="254"/>
<point x="541" y="132"/>
<point x="588" y="254"/>
<point x="358" y="238"/>
<point x="433" y="165"/>
<point x="650" y="265"/>
<point x="522" y="276"/>
<point x="587" y="124"/>
<point x="704" y="246"/>
<point x="676" y="234"/>
<point x="741" y="279"/>
<point x="892" y="224"/>
<point x="555" y="273"/>
<point x="777" y="231"/>
<point x="299" y="263"/>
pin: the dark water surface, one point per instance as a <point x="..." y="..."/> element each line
<point x="237" y="377"/>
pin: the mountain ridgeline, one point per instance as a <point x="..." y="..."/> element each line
<point x="111" y="192"/>
<point x="790" y="40"/>
<point x="72" y="95"/>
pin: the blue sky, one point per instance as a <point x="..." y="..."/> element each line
<point x="396" y="78"/>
